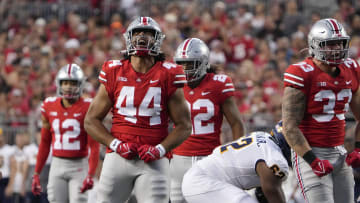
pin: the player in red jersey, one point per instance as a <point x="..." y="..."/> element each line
<point x="63" y="130"/>
<point x="318" y="93"/>
<point x="209" y="97"/>
<point x="143" y="91"/>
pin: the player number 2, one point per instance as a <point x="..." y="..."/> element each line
<point x="63" y="141"/>
<point x="198" y="127"/>
<point x="125" y="105"/>
<point x="237" y="145"/>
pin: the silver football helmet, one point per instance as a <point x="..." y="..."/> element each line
<point x="324" y="36"/>
<point x="70" y="72"/>
<point x="139" y="45"/>
<point x="193" y="50"/>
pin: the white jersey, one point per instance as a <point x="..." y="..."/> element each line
<point x="236" y="161"/>
<point x="31" y="152"/>
<point x="5" y="153"/>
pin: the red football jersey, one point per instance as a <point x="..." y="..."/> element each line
<point x="206" y="115"/>
<point x="327" y="98"/>
<point x="140" y="99"/>
<point x="69" y="138"/>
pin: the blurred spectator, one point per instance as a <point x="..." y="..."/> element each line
<point x="6" y="151"/>
<point x="31" y="152"/>
<point x="292" y="18"/>
<point x="16" y="187"/>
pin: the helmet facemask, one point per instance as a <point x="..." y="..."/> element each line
<point x="143" y="44"/>
<point x="72" y="89"/>
<point x="331" y="51"/>
<point x="194" y="69"/>
<point x="139" y="44"/>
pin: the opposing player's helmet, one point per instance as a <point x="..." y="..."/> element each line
<point x="324" y="33"/>
<point x="70" y="72"/>
<point x="281" y="141"/>
<point x="193" y="50"/>
<point x="141" y="46"/>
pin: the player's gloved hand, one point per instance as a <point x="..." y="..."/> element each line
<point x="353" y="159"/>
<point x="35" y="186"/>
<point x="150" y="153"/>
<point x="88" y="183"/>
<point x="127" y="150"/>
<point x="321" y="167"/>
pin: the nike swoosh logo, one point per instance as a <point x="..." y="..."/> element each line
<point x="204" y="93"/>
<point x="322" y="32"/>
<point x="348" y="82"/>
<point x="153" y="81"/>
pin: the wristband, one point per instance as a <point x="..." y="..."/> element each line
<point x="309" y="157"/>
<point x="161" y="149"/>
<point x="114" y="144"/>
<point x="357" y="144"/>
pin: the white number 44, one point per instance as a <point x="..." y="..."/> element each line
<point x="130" y="112"/>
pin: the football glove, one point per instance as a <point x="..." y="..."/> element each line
<point x="88" y="183"/>
<point x="353" y="159"/>
<point x="150" y="153"/>
<point x="321" y="167"/>
<point x="35" y="186"/>
<point x="127" y="150"/>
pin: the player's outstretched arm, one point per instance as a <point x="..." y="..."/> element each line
<point x="233" y="117"/>
<point x="270" y="183"/>
<point x="180" y="115"/>
<point x="97" y="111"/>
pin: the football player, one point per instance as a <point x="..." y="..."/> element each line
<point x="210" y="98"/>
<point x="318" y="93"/>
<point x="63" y="131"/>
<point x="259" y="159"/>
<point x="143" y="91"/>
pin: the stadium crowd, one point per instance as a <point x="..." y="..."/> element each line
<point x="251" y="41"/>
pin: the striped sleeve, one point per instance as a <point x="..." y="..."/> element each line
<point x="227" y="87"/>
<point x="175" y="76"/>
<point x="294" y="77"/>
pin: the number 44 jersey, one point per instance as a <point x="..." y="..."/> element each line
<point x="140" y="99"/>
<point x="327" y="99"/>
<point x="69" y="138"/>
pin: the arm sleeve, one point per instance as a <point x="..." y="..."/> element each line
<point x="94" y="155"/>
<point x="44" y="149"/>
